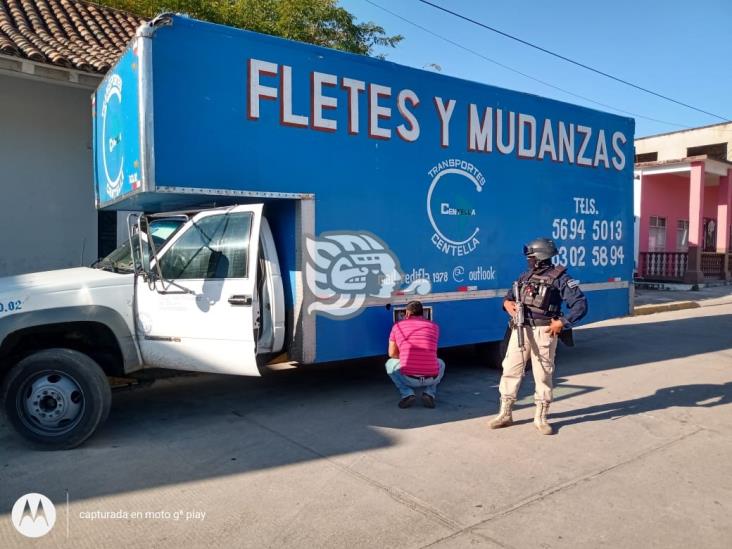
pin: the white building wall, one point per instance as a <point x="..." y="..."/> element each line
<point x="672" y="146"/>
<point x="47" y="214"/>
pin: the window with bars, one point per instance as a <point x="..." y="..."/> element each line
<point x="657" y="234"/>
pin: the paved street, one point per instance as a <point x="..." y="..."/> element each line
<point x="324" y="458"/>
<point x="710" y="295"/>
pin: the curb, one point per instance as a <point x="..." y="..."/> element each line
<point x="663" y="307"/>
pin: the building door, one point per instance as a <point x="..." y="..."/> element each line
<point x="710" y="235"/>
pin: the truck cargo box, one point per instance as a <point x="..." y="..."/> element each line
<point x="450" y="176"/>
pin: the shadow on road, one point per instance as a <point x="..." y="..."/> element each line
<point x="200" y="427"/>
<point x="609" y="347"/>
<point x="600" y="348"/>
<point x="683" y="396"/>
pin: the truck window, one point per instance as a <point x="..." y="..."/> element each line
<point x="214" y="247"/>
<point x="120" y="260"/>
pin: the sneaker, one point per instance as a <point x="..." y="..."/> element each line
<point x="428" y="400"/>
<point x="407" y="401"/>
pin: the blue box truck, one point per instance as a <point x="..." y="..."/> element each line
<point x="294" y="199"/>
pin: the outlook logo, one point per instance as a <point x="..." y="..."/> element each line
<point x="33" y="515"/>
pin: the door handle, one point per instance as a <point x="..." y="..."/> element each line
<point x="240" y="300"/>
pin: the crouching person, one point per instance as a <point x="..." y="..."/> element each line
<point x="413" y="361"/>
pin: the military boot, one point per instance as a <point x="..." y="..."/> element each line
<point x="504" y="418"/>
<point x="542" y="409"/>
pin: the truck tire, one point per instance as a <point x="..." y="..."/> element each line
<point x="56" y="398"/>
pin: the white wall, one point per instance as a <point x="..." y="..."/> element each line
<point x="673" y="146"/>
<point x="47" y="213"/>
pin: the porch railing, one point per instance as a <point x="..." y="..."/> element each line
<point x="671" y="266"/>
<point x="662" y="265"/>
<point x="712" y="264"/>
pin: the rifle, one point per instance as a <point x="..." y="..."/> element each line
<point x="518" y="319"/>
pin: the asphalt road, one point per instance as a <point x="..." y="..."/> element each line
<point x="324" y="458"/>
<point x="710" y="295"/>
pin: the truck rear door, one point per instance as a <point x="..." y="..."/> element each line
<point x="202" y="316"/>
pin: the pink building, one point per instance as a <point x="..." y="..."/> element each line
<point x="683" y="205"/>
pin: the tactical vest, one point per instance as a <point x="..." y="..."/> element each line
<point x="539" y="294"/>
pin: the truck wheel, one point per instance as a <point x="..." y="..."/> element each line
<point x="56" y="398"/>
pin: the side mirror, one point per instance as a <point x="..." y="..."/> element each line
<point x="143" y="245"/>
<point x="137" y="237"/>
<point x="143" y="251"/>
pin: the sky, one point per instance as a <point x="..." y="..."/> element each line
<point x="679" y="49"/>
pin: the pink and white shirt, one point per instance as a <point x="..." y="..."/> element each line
<point x="416" y="339"/>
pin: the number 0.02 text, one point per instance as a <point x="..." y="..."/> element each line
<point x="11" y="306"/>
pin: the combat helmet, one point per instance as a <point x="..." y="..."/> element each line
<point x="541" y="249"/>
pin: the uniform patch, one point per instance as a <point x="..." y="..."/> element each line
<point x="573" y="283"/>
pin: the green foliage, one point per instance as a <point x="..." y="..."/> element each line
<point x="320" y="22"/>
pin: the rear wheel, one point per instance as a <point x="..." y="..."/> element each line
<point x="56" y="398"/>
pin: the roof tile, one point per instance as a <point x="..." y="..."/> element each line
<point x="66" y="33"/>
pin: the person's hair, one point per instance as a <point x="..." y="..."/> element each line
<point x="415" y="308"/>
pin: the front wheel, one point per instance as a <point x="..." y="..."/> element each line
<point x="56" y="398"/>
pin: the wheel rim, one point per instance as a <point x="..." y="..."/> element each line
<point x="51" y="403"/>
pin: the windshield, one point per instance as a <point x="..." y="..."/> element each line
<point x="120" y="260"/>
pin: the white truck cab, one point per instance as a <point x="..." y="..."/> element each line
<point x="210" y="300"/>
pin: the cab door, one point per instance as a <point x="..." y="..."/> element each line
<point x="203" y="314"/>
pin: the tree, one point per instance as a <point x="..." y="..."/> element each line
<point x="320" y="22"/>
